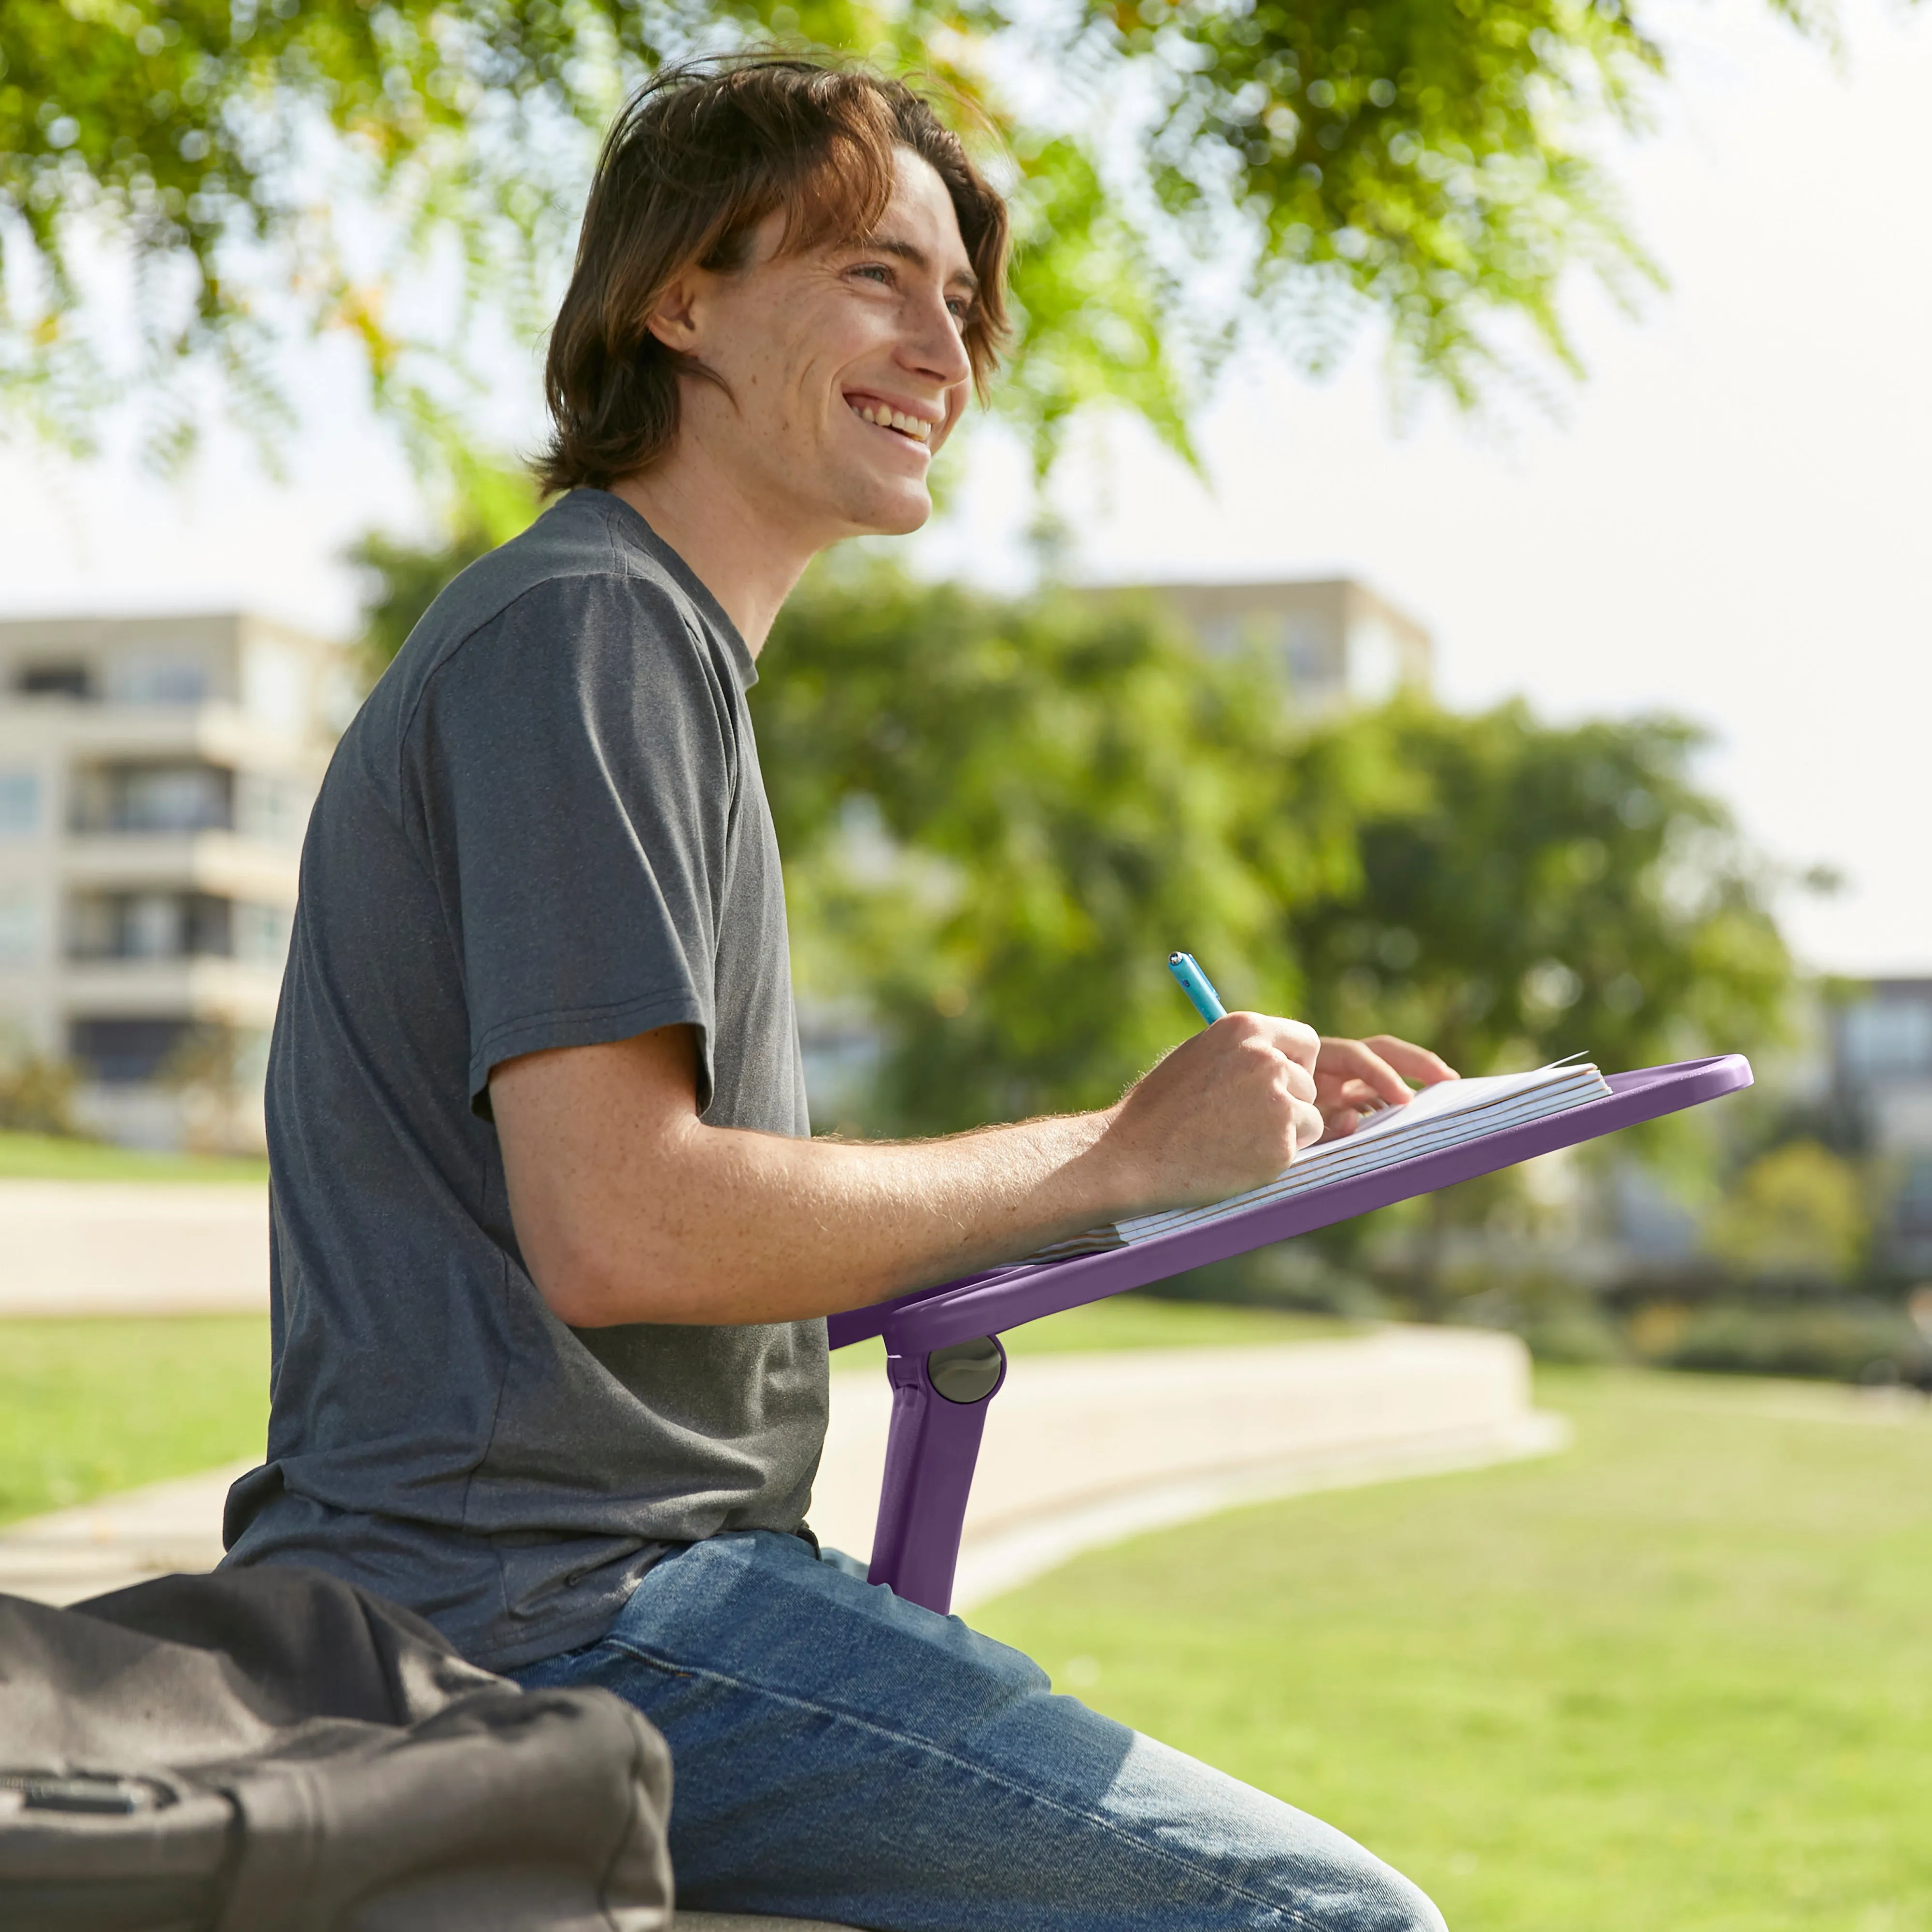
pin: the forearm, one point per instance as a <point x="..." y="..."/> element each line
<point x="725" y="1226"/>
<point x="628" y="1207"/>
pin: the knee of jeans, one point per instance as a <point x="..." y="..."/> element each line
<point x="1360" y="1893"/>
<point x="1405" y="1906"/>
<point x="1428" y="1918"/>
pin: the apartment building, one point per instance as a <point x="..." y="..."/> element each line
<point x="1337" y="642"/>
<point x="156" y="775"/>
<point x="1881" y="1068"/>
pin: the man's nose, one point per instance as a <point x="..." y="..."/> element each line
<point x="936" y="348"/>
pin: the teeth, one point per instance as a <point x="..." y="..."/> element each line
<point x="917" y="427"/>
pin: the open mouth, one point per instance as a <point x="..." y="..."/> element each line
<point x="882" y="415"/>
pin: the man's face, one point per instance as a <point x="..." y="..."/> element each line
<point x="846" y="367"/>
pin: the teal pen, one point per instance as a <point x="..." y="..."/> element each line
<point x="1194" y="983"/>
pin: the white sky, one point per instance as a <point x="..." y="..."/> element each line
<point x="1730" y="522"/>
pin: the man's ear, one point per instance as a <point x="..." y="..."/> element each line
<point x="676" y="319"/>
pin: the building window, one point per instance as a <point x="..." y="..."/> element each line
<point x="188" y="798"/>
<point x="122" y="1052"/>
<point x="261" y="933"/>
<point x="19" y="925"/>
<point x="273" y="810"/>
<point x="156" y="677"/>
<point x="274" y="686"/>
<point x="151" y="925"/>
<point x="19" y="804"/>
<point x="153" y="798"/>
<point x="1888" y="1039"/>
<point x="54" y="680"/>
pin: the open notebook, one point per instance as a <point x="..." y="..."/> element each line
<point x="1447" y="1115"/>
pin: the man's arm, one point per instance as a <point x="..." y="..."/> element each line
<point x="629" y="1208"/>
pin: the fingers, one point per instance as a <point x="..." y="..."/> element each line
<point x="1346" y="1061"/>
<point x="1295" y="1038"/>
<point x="1356" y="1094"/>
<point x="1280" y="1041"/>
<point x="1309" y="1127"/>
<point x="1345" y="1110"/>
<point x="1415" y="1063"/>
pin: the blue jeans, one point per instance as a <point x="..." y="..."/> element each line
<point x="841" y="1754"/>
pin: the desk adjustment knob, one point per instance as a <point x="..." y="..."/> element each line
<point x="968" y="1371"/>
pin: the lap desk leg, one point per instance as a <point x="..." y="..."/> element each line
<point x="940" y="1400"/>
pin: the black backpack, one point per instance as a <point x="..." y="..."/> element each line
<point x="273" y="1750"/>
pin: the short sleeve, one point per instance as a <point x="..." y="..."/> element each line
<point x="573" y="765"/>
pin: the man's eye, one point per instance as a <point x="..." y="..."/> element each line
<point x="877" y="271"/>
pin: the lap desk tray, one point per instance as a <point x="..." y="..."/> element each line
<point x="945" y="1362"/>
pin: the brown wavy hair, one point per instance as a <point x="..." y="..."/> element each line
<point x="697" y="160"/>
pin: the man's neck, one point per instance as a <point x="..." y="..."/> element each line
<point x="698" y="509"/>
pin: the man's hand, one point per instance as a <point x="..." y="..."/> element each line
<point x="1231" y="1107"/>
<point x="1228" y="1109"/>
<point x="1356" y="1077"/>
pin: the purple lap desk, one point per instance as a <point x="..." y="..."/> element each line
<point x="945" y="1362"/>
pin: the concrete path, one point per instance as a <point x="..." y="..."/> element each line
<point x="1080" y="1450"/>
<point x="118" y="1540"/>
<point x="112" y="1247"/>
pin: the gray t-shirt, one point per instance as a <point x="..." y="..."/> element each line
<point x="546" y="828"/>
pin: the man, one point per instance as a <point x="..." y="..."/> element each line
<point x="553" y="1248"/>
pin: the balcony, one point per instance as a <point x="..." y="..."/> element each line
<point x="175" y="925"/>
<point x="240" y="992"/>
<point x="170" y="799"/>
<point x="194" y="952"/>
<point x="188" y="823"/>
<point x="122" y="1051"/>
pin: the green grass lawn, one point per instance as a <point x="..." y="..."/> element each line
<point x="55" y="1157"/>
<point x="1679" y="1678"/>
<point x="91" y="1406"/>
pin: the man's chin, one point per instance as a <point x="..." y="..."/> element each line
<point x="898" y="515"/>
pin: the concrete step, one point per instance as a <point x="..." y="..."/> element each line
<point x="111" y="1247"/>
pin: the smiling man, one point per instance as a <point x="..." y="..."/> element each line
<point x="553" y="1247"/>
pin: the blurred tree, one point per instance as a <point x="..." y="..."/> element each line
<point x="1526" y="891"/>
<point x="36" y="1092"/>
<point x="999" y="817"/>
<point x="269" y="169"/>
<point x="485" y="504"/>
<point x="1798" y="1217"/>
<point x="217" y="1070"/>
